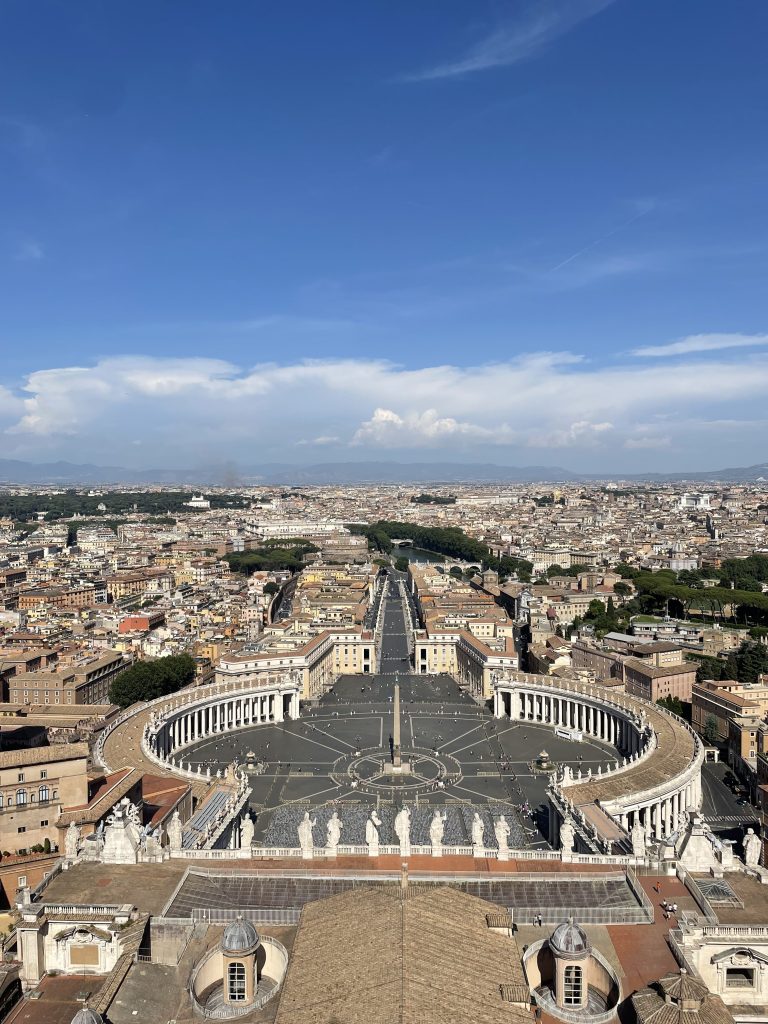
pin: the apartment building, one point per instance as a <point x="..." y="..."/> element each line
<point x="653" y="683"/>
<point x="715" y="703"/>
<point x="35" y="785"/>
<point x="58" y="597"/>
<point x="132" y="584"/>
<point x="86" y="681"/>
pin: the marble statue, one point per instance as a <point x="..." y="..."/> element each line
<point x="175" y="831"/>
<point x="403" y="831"/>
<point x="71" y="841"/>
<point x="247" y="829"/>
<point x="372" y="826"/>
<point x="478" y="828"/>
<point x="437" y="829"/>
<point x="567" y="836"/>
<point x="751" y="845"/>
<point x="502" y="830"/>
<point x="154" y="842"/>
<point x="639" y="838"/>
<point x="306" y="839"/>
<point x="333" y="829"/>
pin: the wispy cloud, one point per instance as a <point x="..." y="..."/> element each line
<point x="29" y="252"/>
<point x="643" y="208"/>
<point x="542" y="23"/>
<point x="702" y="343"/>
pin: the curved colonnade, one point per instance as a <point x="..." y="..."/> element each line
<point x="172" y="729"/>
<point x="157" y="732"/>
<point x="657" y="775"/>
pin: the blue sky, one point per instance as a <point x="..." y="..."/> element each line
<point x="530" y="231"/>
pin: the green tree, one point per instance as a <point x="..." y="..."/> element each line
<point x="401" y="564"/>
<point x="147" y="680"/>
<point x="710" y="733"/>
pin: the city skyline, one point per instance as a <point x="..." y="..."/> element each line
<point x="513" y="234"/>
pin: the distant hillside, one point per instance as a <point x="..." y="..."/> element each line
<point x="13" y="471"/>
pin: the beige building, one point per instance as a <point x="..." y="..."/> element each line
<point x="84" y="682"/>
<point x="35" y="784"/>
<point x="58" y="597"/>
<point x="318" y="660"/>
<point x="653" y="683"/>
<point x="724" y="700"/>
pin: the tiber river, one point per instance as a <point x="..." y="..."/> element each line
<point x="416" y="554"/>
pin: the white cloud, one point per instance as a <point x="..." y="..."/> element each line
<point x="29" y="252"/>
<point x="582" y="433"/>
<point x="702" y="343"/>
<point x="391" y="430"/>
<point x="321" y="441"/>
<point x="542" y="23"/>
<point x="189" y="409"/>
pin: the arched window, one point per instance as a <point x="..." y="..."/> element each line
<point x="572" y="996"/>
<point x="21" y="797"/>
<point x="236" y="983"/>
<point x="43" y="795"/>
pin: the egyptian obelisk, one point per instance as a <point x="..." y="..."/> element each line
<point x="396" y="762"/>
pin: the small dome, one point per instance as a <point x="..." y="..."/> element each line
<point x="87" y="1016"/>
<point x="569" y="938"/>
<point x="239" y="937"/>
<point x="682" y="986"/>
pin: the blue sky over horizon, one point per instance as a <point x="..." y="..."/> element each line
<point x="530" y="231"/>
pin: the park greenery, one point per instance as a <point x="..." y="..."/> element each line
<point x="573" y="570"/>
<point x="146" y="680"/>
<point x="433" y="499"/>
<point x="73" y="503"/>
<point x="744" y="665"/>
<point x="272" y="557"/>
<point x="603" y="618"/>
<point x="733" y="593"/>
<point x="677" y="706"/>
<point x="442" y="540"/>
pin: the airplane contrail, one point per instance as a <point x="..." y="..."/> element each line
<point x="601" y="239"/>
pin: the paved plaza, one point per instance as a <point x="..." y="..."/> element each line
<point x="334" y="754"/>
<point x="459" y="755"/>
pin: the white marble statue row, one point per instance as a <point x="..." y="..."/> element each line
<point x="402" y="826"/>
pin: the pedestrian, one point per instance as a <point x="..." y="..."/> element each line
<point x="540" y="921"/>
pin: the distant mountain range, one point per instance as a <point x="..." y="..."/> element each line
<point x="13" y="471"/>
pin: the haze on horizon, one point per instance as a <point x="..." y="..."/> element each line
<point x="512" y="233"/>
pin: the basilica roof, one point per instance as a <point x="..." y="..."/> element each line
<point x="388" y="955"/>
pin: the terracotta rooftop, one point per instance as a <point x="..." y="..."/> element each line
<point x="394" y="956"/>
<point x="43" y="755"/>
